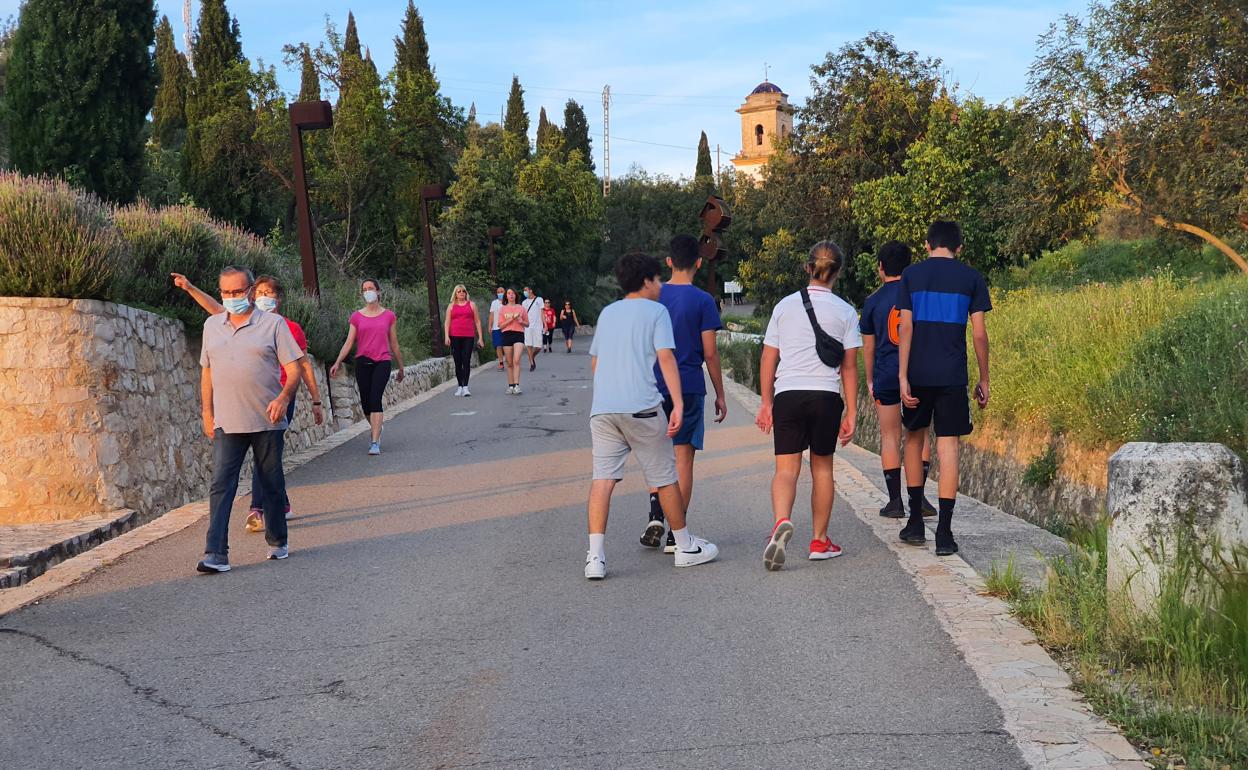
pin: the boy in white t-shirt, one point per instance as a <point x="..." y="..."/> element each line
<point x="626" y="416"/>
<point x="496" y="335"/>
<point x="802" y="399"/>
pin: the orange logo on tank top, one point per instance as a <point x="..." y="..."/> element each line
<point x="894" y="326"/>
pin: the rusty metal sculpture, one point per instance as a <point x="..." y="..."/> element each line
<point x="306" y="116"/>
<point x="432" y="192"/>
<point x="716" y="216"/>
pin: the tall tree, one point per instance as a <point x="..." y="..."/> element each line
<point x="411" y="49"/>
<point x="80" y="82"/>
<point x="351" y="39"/>
<point x="576" y="132"/>
<point x="169" y="111"/>
<point x="515" y="119"/>
<point x="543" y="126"/>
<point x="6" y="47"/>
<point x="704" y="169"/>
<point x="219" y="167"/>
<point x="1159" y="93"/>
<point x="309" y="78"/>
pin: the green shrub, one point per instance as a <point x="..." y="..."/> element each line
<point x="1042" y="470"/>
<point x="55" y="241"/>
<point x="1111" y="261"/>
<point x="742" y="359"/>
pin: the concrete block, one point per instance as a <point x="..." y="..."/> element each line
<point x="1160" y="494"/>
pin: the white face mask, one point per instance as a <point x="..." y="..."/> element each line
<point x="370" y="296"/>
<point x="267" y="304"/>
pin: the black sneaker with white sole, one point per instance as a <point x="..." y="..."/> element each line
<point x="653" y="535"/>
<point x="670" y="545"/>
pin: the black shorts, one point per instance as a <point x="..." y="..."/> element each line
<point x="806" y="419"/>
<point x="887" y="397"/>
<point x="569" y="331"/>
<point x="513" y="338"/>
<point x="945" y="406"/>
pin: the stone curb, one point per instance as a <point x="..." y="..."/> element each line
<point x="21" y="567"/>
<point x="78" y="568"/>
<point x="1050" y="723"/>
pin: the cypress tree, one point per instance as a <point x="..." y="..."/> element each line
<point x="543" y="127"/>
<point x="219" y="164"/>
<point x="516" y="120"/>
<point x="411" y="51"/>
<point x="169" y="112"/>
<point x="309" y="79"/>
<point x="576" y="132"/>
<point x="351" y="39"/>
<point x="80" y="82"/>
<point x="704" y="168"/>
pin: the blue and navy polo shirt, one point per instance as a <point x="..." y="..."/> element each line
<point x="881" y="319"/>
<point x="941" y="294"/>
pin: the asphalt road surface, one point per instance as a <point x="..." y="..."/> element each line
<point x="433" y="613"/>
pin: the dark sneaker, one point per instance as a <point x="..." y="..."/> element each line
<point x="945" y="544"/>
<point x="895" y="509"/>
<point x="279" y="552"/>
<point x="670" y="545"/>
<point x="653" y="535"/>
<point x="773" y="554"/>
<point x="214" y="563"/>
<point x="914" y="533"/>
<point x="928" y="508"/>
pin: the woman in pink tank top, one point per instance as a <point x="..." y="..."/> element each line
<point x="373" y="335"/>
<point x="461" y="326"/>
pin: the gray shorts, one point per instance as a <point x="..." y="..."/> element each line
<point x="615" y="435"/>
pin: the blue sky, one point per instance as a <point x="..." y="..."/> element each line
<point x="674" y="68"/>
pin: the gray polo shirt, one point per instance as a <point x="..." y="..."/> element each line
<point x="244" y="364"/>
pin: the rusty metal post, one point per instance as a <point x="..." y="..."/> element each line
<point x="491" y="235"/>
<point x="306" y="116"/>
<point x="431" y="192"/>
<point x="716" y="216"/>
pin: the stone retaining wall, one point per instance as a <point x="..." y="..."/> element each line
<point x="100" y="410"/>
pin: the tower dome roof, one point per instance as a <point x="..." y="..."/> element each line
<point x="766" y="87"/>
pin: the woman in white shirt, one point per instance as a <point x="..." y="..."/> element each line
<point x="808" y="404"/>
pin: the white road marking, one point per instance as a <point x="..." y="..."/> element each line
<point x="462" y="414"/>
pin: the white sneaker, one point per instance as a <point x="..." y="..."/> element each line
<point x="459" y="391"/>
<point x="703" y="551"/>
<point x="466" y="391"/>
<point x="595" y="567"/>
<point x="516" y="391"/>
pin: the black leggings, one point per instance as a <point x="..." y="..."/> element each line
<point x="372" y="377"/>
<point x="461" y="351"/>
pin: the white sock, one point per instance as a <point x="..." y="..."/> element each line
<point x="684" y="540"/>
<point x="597" y="546"/>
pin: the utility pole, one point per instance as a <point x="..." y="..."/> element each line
<point x="606" y="141"/>
<point x="719" y="175"/>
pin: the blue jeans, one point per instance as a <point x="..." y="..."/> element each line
<point x="257" y="479"/>
<point x="228" y="452"/>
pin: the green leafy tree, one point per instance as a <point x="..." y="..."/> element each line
<point x="309" y="78"/>
<point x="704" y="169"/>
<point x="576" y="133"/>
<point x="645" y="212"/>
<point x="776" y="271"/>
<point x="80" y="83"/>
<point x="516" y="120"/>
<point x="1158" y="92"/>
<point x="549" y="136"/>
<point x="169" y="111"/>
<point x="955" y="171"/>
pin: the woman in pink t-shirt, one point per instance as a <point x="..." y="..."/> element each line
<point x="373" y="334"/>
<point x="462" y="324"/>
<point x="512" y="320"/>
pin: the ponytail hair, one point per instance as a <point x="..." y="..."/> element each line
<point x="825" y="261"/>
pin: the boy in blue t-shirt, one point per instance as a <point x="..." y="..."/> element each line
<point x="937" y="297"/>
<point x="630" y="337"/>
<point x="880" y="326"/>
<point x="695" y="319"/>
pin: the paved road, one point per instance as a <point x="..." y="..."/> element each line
<point x="433" y="614"/>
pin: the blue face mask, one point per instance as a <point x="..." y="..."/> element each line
<point x="526" y="294"/>
<point x="267" y="304"/>
<point x="500" y="295"/>
<point x="236" y="305"/>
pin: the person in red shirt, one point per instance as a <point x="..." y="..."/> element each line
<point x="268" y="298"/>
<point x="548" y="327"/>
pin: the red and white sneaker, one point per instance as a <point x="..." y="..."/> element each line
<point x="824" y="549"/>
<point x="773" y="555"/>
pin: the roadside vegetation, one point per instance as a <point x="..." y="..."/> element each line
<point x="1175" y="679"/>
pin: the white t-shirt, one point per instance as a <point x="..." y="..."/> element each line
<point x="789" y="331"/>
<point x="495" y="306"/>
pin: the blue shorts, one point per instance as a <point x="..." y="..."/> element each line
<point x="496" y="338"/>
<point x="887" y="397"/>
<point x="693" y="426"/>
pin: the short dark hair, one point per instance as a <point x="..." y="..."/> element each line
<point x="238" y="270"/>
<point x="944" y="234"/>
<point x="634" y="269"/>
<point x="272" y="283"/>
<point x="684" y="251"/>
<point x="894" y="257"/>
<point x="376" y="284"/>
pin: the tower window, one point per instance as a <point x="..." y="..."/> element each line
<point x="758" y="135"/>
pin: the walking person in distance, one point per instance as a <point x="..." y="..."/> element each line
<point x="496" y="335"/>
<point x="461" y="328"/>
<point x="372" y="331"/>
<point x="268" y="294"/>
<point x="568" y="323"/>
<point x="632" y="335"/>
<point x="548" y="327"/>
<point x="244" y="407"/>
<point x="880" y="326"/>
<point x="533" y="307"/>
<point x="937" y="298"/>
<point x="809" y="378"/>
<point x="512" y="322"/>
